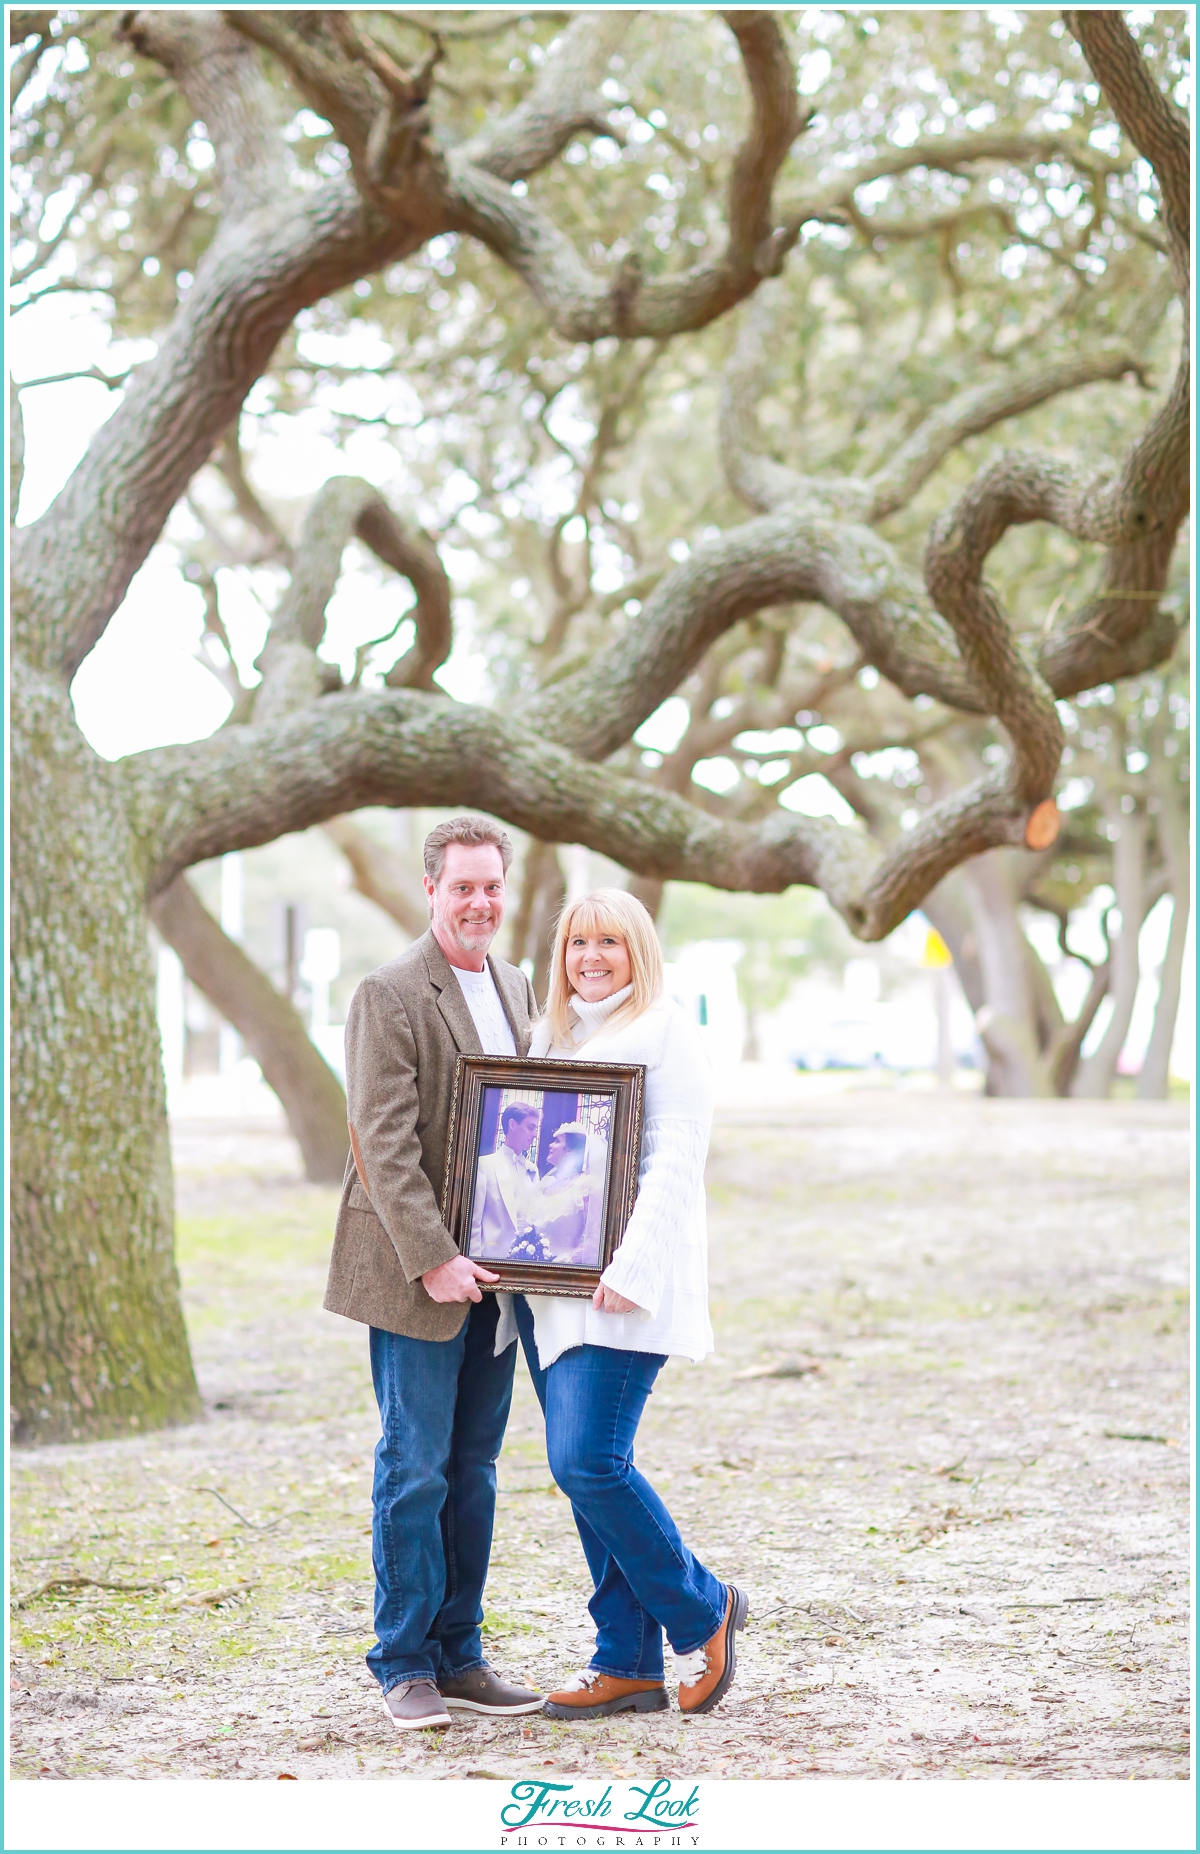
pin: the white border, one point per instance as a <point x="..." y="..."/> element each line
<point x="814" y="1814"/>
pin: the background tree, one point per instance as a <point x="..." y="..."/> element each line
<point x="298" y="156"/>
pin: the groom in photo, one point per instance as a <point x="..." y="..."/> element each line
<point x="443" y="1395"/>
<point x="500" y="1211"/>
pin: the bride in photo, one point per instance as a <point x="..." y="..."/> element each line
<point x="567" y="1203"/>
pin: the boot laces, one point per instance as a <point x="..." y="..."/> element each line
<point x="581" y="1682"/>
<point x="691" y="1668"/>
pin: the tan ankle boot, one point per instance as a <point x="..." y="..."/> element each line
<point x="591" y="1695"/>
<point x="715" y="1663"/>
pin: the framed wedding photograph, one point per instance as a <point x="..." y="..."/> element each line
<point x="542" y="1167"/>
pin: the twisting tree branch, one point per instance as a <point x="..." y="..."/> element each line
<point x="277" y="250"/>
<point x="329" y="68"/>
<point x="1150" y="120"/>
<point x="979" y="408"/>
<point x="345" y="507"/>
<point x="584" y="306"/>
<point x="245" y="786"/>
<point x="225" y="86"/>
<point x="765" y="483"/>
<point x="564" y="101"/>
<point x="835" y="204"/>
<point x="1121" y="630"/>
<point x="265" y="263"/>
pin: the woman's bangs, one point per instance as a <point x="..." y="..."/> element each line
<point x="591" y="916"/>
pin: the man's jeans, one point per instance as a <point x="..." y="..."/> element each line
<point x="443" y="1406"/>
<point x="646" y="1578"/>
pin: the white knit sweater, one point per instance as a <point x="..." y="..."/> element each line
<point x="662" y="1262"/>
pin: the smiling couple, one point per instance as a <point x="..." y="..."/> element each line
<point x="443" y="1354"/>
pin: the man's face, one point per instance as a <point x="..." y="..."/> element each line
<point x="467" y="901"/>
<point x="520" y="1132"/>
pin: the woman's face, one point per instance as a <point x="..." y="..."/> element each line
<point x="563" y="1158"/>
<point x="597" y="965"/>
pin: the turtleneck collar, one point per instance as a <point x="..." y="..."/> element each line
<point x="591" y="1016"/>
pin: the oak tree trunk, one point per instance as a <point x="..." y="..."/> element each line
<point x="1008" y="1024"/>
<point x="948" y="909"/>
<point x="1173" y="836"/>
<point x="1154" y="1078"/>
<point x="98" y="1340"/>
<point x="649" y="891"/>
<point x="269" y="1024"/>
<point x="543" y="892"/>
<point x="1064" y="1053"/>
<point x="1097" y="1072"/>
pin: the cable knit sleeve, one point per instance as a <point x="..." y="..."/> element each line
<point x="673" y="1154"/>
<point x="678" y="1117"/>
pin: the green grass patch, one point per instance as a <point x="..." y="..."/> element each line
<point x="242" y="1246"/>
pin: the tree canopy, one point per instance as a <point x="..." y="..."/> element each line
<point x="965" y="234"/>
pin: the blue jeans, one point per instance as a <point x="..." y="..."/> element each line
<point x="646" y="1580"/>
<point x="443" y="1405"/>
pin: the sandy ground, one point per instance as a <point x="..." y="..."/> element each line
<point x="943" y="1444"/>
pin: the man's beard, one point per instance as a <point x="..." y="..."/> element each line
<point x="470" y="936"/>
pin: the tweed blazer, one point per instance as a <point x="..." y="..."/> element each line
<point x="407" y="1023"/>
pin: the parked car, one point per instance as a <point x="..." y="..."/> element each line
<point x="900" y="1036"/>
<point x="842" y="1043"/>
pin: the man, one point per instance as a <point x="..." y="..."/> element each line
<point x="443" y="1395"/>
<point x="500" y="1210"/>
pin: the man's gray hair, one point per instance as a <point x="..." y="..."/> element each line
<point x="471" y="831"/>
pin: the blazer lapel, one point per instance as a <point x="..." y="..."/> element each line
<point x="451" y="1002"/>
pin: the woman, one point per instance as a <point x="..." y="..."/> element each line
<point x="594" y="1363"/>
<point x="561" y="1201"/>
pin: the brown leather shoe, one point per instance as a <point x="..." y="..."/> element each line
<point x="715" y="1663"/>
<point x="482" y="1690"/>
<point x="594" y="1696"/>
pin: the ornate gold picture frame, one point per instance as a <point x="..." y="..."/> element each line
<point x="542" y="1167"/>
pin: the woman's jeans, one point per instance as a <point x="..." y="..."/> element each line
<point x="443" y="1405"/>
<point x="646" y="1578"/>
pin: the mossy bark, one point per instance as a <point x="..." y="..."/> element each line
<point x="98" y="1340"/>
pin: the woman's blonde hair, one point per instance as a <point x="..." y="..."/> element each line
<point x="606" y="910"/>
